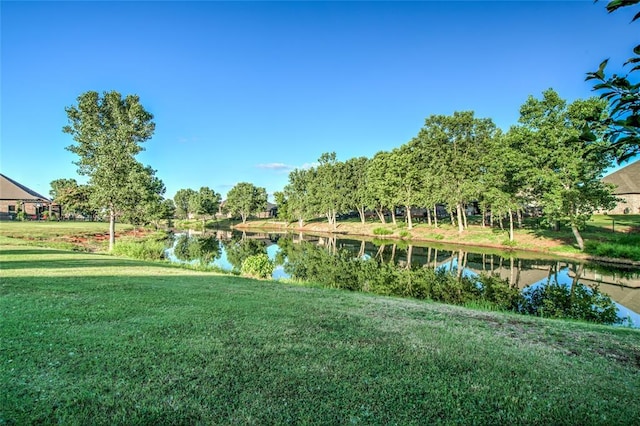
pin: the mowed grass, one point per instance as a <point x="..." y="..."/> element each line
<point x="93" y="339"/>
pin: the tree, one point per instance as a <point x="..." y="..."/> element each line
<point x="165" y="210"/>
<point x="73" y="198"/>
<point x="623" y="96"/>
<point x="404" y="176"/>
<point x="148" y="192"/>
<point x="297" y="197"/>
<point x="564" y="169"/>
<point x="461" y="143"/>
<point x="205" y="202"/>
<point x="379" y="192"/>
<point x="506" y="189"/>
<point x="329" y="188"/>
<point x="108" y="130"/>
<point x="356" y="185"/>
<point x="182" y="200"/>
<point x="245" y="199"/>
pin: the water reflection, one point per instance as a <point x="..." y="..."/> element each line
<point x="303" y="257"/>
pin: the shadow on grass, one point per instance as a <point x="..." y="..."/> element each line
<point x="80" y="263"/>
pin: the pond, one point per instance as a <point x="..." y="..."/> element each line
<point x="329" y="260"/>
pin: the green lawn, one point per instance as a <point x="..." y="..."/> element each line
<point x="93" y="339"/>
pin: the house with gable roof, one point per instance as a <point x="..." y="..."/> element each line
<point x="14" y="195"/>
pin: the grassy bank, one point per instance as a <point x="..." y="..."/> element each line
<point x="606" y="235"/>
<point x="66" y="235"/>
<point x="92" y="339"/>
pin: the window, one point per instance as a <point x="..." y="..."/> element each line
<point x="12" y="209"/>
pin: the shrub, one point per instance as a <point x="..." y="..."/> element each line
<point x="405" y="234"/>
<point x="382" y="231"/>
<point x="142" y="250"/>
<point x="257" y="266"/>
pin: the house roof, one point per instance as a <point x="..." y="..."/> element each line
<point x="12" y="190"/>
<point x="626" y="180"/>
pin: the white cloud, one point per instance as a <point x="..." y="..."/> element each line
<point x="275" y="166"/>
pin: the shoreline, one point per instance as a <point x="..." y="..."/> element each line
<point x="417" y="235"/>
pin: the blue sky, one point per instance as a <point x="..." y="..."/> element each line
<point x="246" y="91"/>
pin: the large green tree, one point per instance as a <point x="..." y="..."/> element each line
<point x="329" y="188"/>
<point x="182" y="201"/>
<point x="73" y="198"/>
<point x="462" y="144"/>
<point x="205" y="202"/>
<point x="245" y="199"/>
<point x="356" y="185"/>
<point x="380" y="197"/>
<point x="297" y="196"/>
<point x="109" y="131"/>
<point x="564" y="169"/>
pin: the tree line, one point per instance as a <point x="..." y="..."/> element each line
<point x="543" y="162"/>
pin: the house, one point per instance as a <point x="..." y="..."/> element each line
<point x="14" y="196"/>
<point x="627" y="183"/>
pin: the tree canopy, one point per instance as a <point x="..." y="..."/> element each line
<point x="245" y="199"/>
<point x="109" y="131"/>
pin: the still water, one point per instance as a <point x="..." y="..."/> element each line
<point x="227" y="250"/>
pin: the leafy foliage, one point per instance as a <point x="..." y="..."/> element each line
<point x="245" y="199"/>
<point x="257" y="266"/>
<point x="562" y="169"/>
<point x="622" y="92"/>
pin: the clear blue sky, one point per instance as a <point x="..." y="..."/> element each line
<point x="246" y="91"/>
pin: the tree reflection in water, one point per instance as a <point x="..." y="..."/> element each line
<point x="449" y="282"/>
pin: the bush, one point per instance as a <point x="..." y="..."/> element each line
<point x="257" y="266"/>
<point x="405" y="234"/>
<point x="142" y="250"/>
<point x="382" y="231"/>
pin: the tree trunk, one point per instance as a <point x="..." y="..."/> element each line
<point x="519" y="212"/>
<point x="460" y="223"/>
<point x="576" y="233"/>
<point x="409" y="255"/>
<point x="409" y="221"/>
<point x="380" y="213"/>
<point x="510" y="225"/>
<point x="435" y="215"/>
<point x="453" y="221"/>
<point x="464" y="216"/>
<point x="112" y="228"/>
<point x="393" y="216"/>
<point x="363" y="219"/>
<point x="428" y="216"/>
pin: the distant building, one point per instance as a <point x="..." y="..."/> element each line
<point x="14" y="196"/>
<point x="627" y="183"/>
